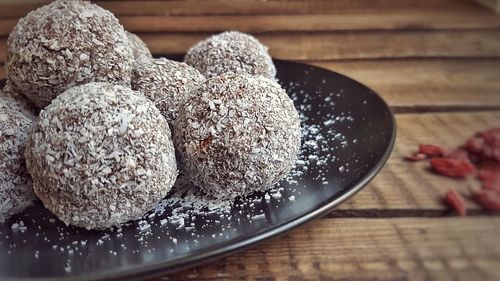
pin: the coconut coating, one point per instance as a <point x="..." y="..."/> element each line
<point x="139" y="48"/>
<point x="64" y="44"/>
<point x="16" y="191"/>
<point x="18" y="102"/>
<point x="167" y="83"/>
<point x="231" y="52"/>
<point x="237" y="135"/>
<point x="100" y="155"/>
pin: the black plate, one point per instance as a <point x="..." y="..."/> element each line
<point x="350" y="134"/>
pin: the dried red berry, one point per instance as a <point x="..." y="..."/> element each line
<point x="496" y="153"/>
<point x="459" y="153"/>
<point x="456" y="202"/>
<point x="488" y="170"/>
<point x="491" y="136"/>
<point x="492" y="184"/>
<point x="431" y="150"/>
<point x="450" y="167"/>
<point x="485" y="145"/>
<point x="475" y="144"/>
<point x="485" y="175"/>
<point x="488" y="199"/>
<point x="416" y="157"/>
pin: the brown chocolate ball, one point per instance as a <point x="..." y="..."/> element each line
<point x="16" y="191"/>
<point x="139" y="48"/>
<point x="64" y="44"/>
<point x="237" y="134"/>
<point x="100" y="155"/>
<point x="167" y="83"/>
<point x="231" y="52"/>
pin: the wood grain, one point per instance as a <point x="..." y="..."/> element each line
<point x="347" y="45"/>
<point x="368" y="249"/>
<point x="384" y="20"/>
<point x="492" y="4"/>
<point x="405" y="185"/>
<point x="429" y="83"/>
<point x="3" y="50"/>
<point x="369" y="17"/>
<point x="354" y="45"/>
<point x="14" y="9"/>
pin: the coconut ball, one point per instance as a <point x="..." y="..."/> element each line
<point x="237" y="134"/>
<point x="18" y="102"/>
<point x="64" y="44"/>
<point x="167" y="83"/>
<point x="139" y="48"/>
<point x="100" y="155"/>
<point x="16" y="191"/>
<point x="231" y="52"/>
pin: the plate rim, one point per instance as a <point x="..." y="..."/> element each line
<point x="157" y="269"/>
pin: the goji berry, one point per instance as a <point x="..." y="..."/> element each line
<point x="485" y="175"/>
<point x="456" y="202"/>
<point x="488" y="169"/>
<point x="416" y="157"/>
<point x="487" y="199"/>
<point x="475" y="144"/>
<point x="450" y="167"/>
<point x="431" y="151"/>
<point x="491" y="136"/>
<point x="485" y="145"/>
<point x="459" y="153"/>
<point x="496" y="153"/>
<point x="492" y="184"/>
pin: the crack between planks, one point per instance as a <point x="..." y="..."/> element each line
<point x="424" y="109"/>
<point x="398" y="213"/>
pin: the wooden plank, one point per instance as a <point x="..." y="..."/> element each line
<point x="348" y="45"/>
<point x="13" y="9"/>
<point x="492" y="4"/>
<point x="6" y="25"/>
<point x="427" y="83"/>
<point x="256" y="7"/>
<point x="405" y="185"/>
<point x="384" y="20"/>
<point x="3" y="50"/>
<point x="354" y="45"/>
<point x="368" y="249"/>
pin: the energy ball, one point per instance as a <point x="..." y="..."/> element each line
<point x="100" y="155"/>
<point x="139" y="48"/>
<point x="16" y="191"/>
<point x="64" y="44"/>
<point x="167" y="83"/>
<point x="18" y="102"/>
<point x="231" y="52"/>
<point x="237" y="134"/>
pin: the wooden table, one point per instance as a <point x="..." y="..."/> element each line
<point x="436" y="62"/>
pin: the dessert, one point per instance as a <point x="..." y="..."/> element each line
<point x="64" y="44"/>
<point x="16" y="192"/>
<point x="231" y="52"/>
<point x="167" y="83"/>
<point x="18" y="102"/>
<point x="139" y="48"/>
<point x="100" y="155"/>
<point x="237" y="134"/>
